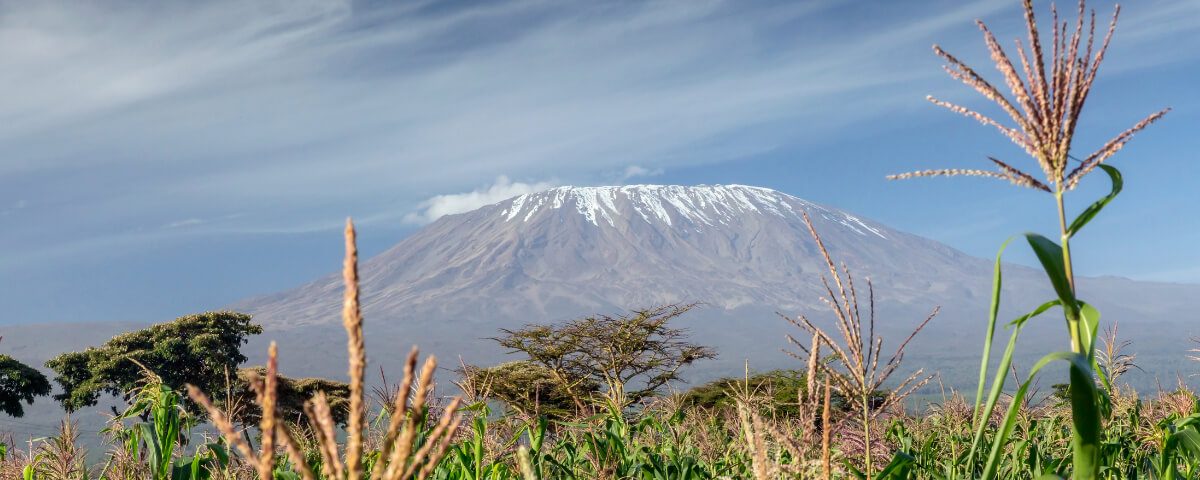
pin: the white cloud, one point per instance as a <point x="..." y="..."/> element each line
<point x="634" y="171"/>
<point x="188" y="222"/>
<point x="436" y="207"/>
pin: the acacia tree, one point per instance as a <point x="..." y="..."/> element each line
<point x="528" y="388"/>
<point x="638" y="348"/>
<point x="196" y="349"/>
<point x="19" y="382"/>
<point x="290" y="395"/>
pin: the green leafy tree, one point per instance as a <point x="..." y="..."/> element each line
<point x="291" y="393"/>
<point x="631" y="355"/>
<point x="196" y="349"/>
<point x="19" y="382"/>
<point x="528" y="388"/>
<point x="778" y="391"/>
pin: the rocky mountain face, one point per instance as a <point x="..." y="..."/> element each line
<point x="743" y="251"/>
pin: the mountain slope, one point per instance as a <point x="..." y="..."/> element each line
<point x="554" y="252"/>
<point x="743" y="251"/>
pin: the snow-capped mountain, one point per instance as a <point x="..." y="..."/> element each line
<point x="743" y="251"/>
<point x="573" y="250"/>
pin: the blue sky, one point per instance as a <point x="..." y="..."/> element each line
<point x="159" y="158"/>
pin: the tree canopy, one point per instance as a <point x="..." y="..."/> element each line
<point x="781" y="388"/>
<point x="779" y="393"/>
<point x="528" y="388"/>
<point x="631" y="355"/>
<point x="196" y="349"/>
<point x="19" y="382"/>
<point x="290" y="395"/>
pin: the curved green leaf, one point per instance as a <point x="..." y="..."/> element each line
<point x="1090" y="323"/>
<point x="1090" y="212"/>
<point x="991" y="328"/>
<point x="1050" y="254"/>
<point x="219" y="452"/>
<point x="1086" y="415"/>
<point x="1001" y="376"/>
<point x="1084" y="465"/>
<point x="898" y="469"/>
<point x="1189" y="441"/>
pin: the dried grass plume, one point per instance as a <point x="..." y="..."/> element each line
<point x="1049" y="93"/>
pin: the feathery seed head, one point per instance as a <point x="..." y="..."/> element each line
<point x="1049" y="96"/>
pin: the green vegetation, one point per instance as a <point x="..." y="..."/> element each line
<point x="528" y="389"/>
<point x="588" y="400"/>
<point x="19" y="383"/>
<point x="632" y="356"/>
<point x="784" y="387"/>
<point x="197" y="349"/>
<point x="778" y="393"/>
<point x="291" y="394"/>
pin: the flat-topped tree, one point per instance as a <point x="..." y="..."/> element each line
<point x="290" y="395"/>
<point x="636" y="349"/>
<point x="196" y="349"/>
<point x="529" y="389"/>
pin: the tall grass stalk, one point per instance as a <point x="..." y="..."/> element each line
<point x="861" y="377"/>
<point x="1049" y="100"/>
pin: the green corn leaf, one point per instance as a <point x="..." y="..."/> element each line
<point x="219" y="453"/>
<point x="1090" y="212"/>
<point x="991" y="328"/>
<point x="898" y="469"/>
<point x="1085" y="418"/>
<point x="858" y="474"/>
<point x="1090" y="323"/>
<point x="1020" y="321"/>
<point x="1188" y="441"/>
<point x="1001" y="376"/>
<point x="1050" y="255"/>
<point x="1079" y="368"/>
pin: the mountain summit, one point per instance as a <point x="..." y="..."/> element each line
<point x="710" y="205"/>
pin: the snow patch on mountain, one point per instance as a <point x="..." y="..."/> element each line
<point x="703" y="205"/>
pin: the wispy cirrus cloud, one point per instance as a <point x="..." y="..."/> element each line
<point x="636" y="171"/>
<point x="122" y="117"/>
